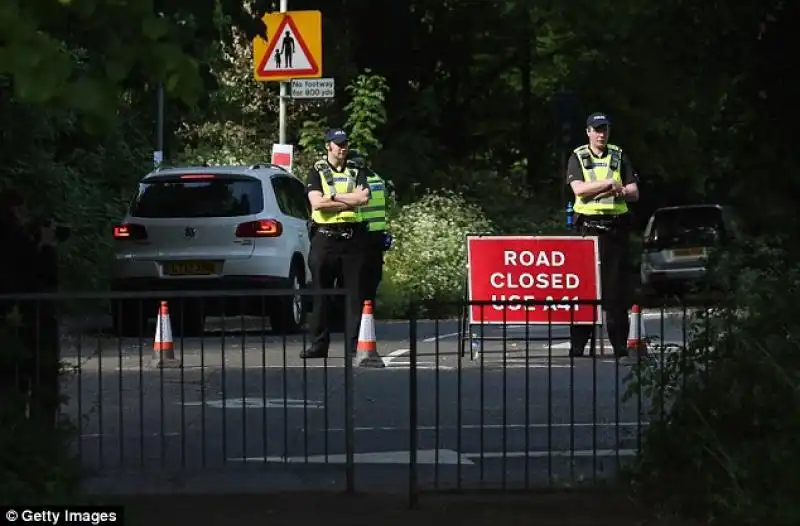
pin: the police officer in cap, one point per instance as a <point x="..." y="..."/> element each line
<point x="335" y="192"/>
<point x="373" y="214"/>
<point x="604" y="182"/>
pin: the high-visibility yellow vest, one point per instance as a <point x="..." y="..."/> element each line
<point x="374" y="212"/>
<point x="335" y="183"/>
<point x="605" y="168"/>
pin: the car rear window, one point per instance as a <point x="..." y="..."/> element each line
<point x="198" y="196"/>
<point x="688" y="226"/>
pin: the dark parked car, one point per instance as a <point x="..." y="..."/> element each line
<point x="677" y="241"/>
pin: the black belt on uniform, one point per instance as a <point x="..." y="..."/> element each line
<point x="603" y="223"/>
<point x="339" y="230"/>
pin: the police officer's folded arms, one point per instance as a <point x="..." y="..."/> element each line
<point x="335" y="192"/>
<point x="604" y="181"/>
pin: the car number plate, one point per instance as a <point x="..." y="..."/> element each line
<point x="683" y="252"/>
<point x="191" y="268"/>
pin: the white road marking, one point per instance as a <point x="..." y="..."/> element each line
<point x="330" y="365"/>
<point x="424" y="456"/>
<point x="522" y="363"/>
<point x="489" y="365"/>
<point x="147" y="368"/>
<point x="433" y="456"/>
<point x="387" y="360"/>
<point x="554" y="453"/>
<point x="258" y="403"/>
<point x="656" y="314"/>
<point x="116" y="436"/>
<point x="420" y="365"/>
<point x="390" y="365"/>
<point x="441" y="337"/>
<point x="362" y="429"/>
<point x="566" y="345"/>
<point x="607" y="346"/>
<point x="646" y="315"/>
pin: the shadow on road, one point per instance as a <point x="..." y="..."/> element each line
<point x="584" y="508"/>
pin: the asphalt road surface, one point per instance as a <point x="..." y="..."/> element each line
<point x="245" y="412"/>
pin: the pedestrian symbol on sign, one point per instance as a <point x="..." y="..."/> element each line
<point x="287" y="49"/>
<point x="293" y="49"/>
<point x="288" y="53"/>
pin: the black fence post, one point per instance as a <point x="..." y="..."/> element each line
<point x="412" y="409"/>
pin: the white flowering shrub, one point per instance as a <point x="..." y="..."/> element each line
<point x="427" y="264"/>
<point x="514" y="207"/>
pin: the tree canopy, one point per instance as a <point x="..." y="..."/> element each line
<point x="697" y="92"/>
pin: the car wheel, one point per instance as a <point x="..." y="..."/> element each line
<point x="289" y="314"/>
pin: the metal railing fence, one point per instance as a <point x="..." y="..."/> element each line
<point x="457" y="405"/>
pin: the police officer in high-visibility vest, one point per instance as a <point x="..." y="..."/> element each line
<point x="335" y="192"/>
<point x="603" y="180"/>
<point x="373" y="214"/>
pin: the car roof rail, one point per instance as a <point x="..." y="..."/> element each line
<point x="258" y="166"/>
<point x="161" y="167"/>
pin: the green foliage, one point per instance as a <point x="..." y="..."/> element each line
<point x="506" y="199"/>
<point x="36" y="465"/>
<point x="310" y="140"/>
<point x="428" y="261"/>
<point x="242" y="123"/>
<point x="86" y="185"/>
<point x="224" y="144"/>
<point x="725" y="412"/>
<point x="51" y="65"/>
<point x="366" y="111"/>
<point x="365" y="114"/>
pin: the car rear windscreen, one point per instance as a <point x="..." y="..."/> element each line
<point x="688" y="227"/>
<point x="218" y="196"/>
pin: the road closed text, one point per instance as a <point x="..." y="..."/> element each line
<point x="513" y="271"/>
<point x="528" y="270"/>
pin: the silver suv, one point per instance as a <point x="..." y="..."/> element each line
<point x="207" y="228"/>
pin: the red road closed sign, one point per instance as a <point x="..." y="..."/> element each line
<point x="520" y="268"/>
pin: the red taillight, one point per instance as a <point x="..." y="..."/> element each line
<point x="262" y="228"/>
<point x="130" y="231"/>
<point x="199" y="176"/>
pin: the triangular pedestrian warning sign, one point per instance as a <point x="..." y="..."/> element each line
<point x="287" y="53"/>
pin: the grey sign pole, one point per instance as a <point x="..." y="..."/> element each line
<point x="284" y="94"/>
<point x="158" y="154"/>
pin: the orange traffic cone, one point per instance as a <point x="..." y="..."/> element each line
<point x="163" y="348"/>
<point x="637" y="345"/>
<point x="367" y="347"/>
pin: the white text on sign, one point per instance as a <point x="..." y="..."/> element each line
<point x="313" y="88"/>
<point x="540" y="276"/>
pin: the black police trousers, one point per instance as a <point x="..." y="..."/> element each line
<point x="331" y="256"/>
<point x="373" y="265"/>
<point x="614" y="247"/>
